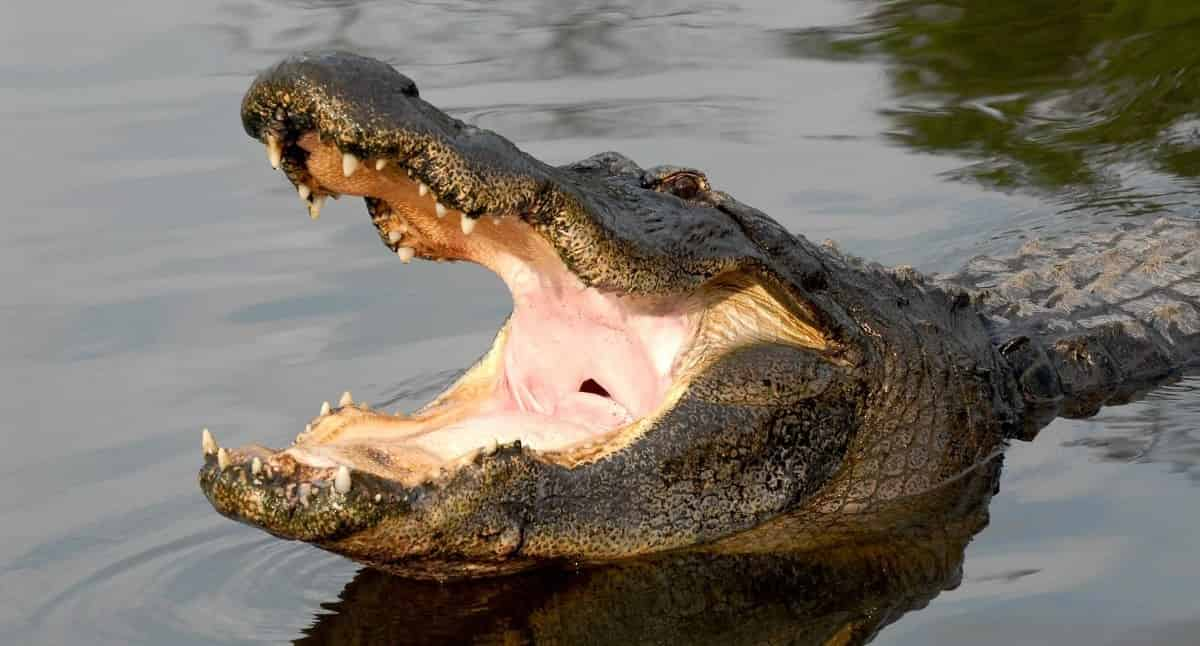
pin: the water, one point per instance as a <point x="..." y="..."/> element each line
<point x="159" y="277"/>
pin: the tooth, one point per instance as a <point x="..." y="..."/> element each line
<point x="341" y="481"/>
<point x="207" y="442"/>
<point x="255" y="466"/>
<point x="394" y="236"/>
<point x="422" y="189"/>
<point x="349" y="164"/>
<point x="308" y="428"/>
<point x="378" y="497"/>
<point x="346" y="400"/>
<point x="324" y="408"/>
<point x="380" y="163"/>
<point x="304" y="191"/>
<point x="468" y="224"/>
<point x="409" y="171"/>
<point x="406" y="254"/>
<point x="439" y="209"/>
<point x="223" y="460"/>
<point x="274" y="151"/>
<point x="314" y="207"/>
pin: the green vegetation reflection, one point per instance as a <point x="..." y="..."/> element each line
<point x="1040" y="94"/>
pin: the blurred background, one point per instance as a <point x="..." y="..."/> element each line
<point x="157" y="276"/>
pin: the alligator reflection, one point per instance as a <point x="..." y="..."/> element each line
<point x="1054" y="96"/>
<point x="1159" y="429"/>
<point x="756" y="588"/>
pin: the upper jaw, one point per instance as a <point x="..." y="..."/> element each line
<point x="370" y="111"/>
<point x="616" y="228"/>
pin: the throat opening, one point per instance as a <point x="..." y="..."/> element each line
<point x="590" y="386"/>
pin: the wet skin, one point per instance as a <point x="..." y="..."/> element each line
<point x="759" y="588"/>
<point x="736" y="374"/>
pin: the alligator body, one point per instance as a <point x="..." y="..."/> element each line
<point x="733" y="374"/>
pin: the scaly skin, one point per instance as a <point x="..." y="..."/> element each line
<point x="910" y="386"/>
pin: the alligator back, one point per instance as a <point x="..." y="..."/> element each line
<point x="1097" y="318"/>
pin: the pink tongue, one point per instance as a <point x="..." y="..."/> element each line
<point x="578" y="418"/>
<point x="597" y="414"/>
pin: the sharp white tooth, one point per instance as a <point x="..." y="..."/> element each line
<point x="349" y="164"/>
<point x="308" y="428"/>
<point x="341" y="481"/>
<point x="380" y="163"/>
<point x="468" y="224"/>
<point x="207" y="442"/>
<point x="274" y="151"/>
<point x="304" y="191"/>
<point x="314" y="207"/>
<point x="378" y="497"/>
<point x="223" y="460"/>
<point x="440" y="210"/>
<point x="422" y="189"/>
<point x="406" y="254"/>
<point x="346" y="399"/>
<point x="325" y="408"/>
<point x="394" y="236"/>
<point x="255" y="466"/>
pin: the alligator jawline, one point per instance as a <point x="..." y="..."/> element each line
<point x="572" y="375"/>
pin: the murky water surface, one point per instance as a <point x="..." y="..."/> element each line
<point x="159" y="277"/>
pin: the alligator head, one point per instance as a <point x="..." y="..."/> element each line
<point x="677" y="367"/>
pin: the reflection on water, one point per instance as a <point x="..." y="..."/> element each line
<point x="162" y="278"/>
<point x="1157" y="430"/>
<point x="1070" y="98"/>
<point x="522" y="39"/>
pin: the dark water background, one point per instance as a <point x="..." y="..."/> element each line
<point x="158" y="276"/>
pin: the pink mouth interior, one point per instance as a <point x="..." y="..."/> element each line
<point x="573" y="365"/>
<point x="576" y="364"/>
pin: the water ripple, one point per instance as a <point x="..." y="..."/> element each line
<point x="218" y="584"/>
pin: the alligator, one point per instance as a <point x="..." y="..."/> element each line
<point x="678" y="368"/>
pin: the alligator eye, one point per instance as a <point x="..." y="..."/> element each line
<point x="685" y="185"/>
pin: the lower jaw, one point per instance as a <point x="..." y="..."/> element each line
<point x="549" y="386"/>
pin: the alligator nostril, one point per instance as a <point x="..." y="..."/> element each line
<point x="590" y="386"/>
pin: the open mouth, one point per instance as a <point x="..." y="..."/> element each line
<point x="572" y="367"/>
<point x="627" y="285"/>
